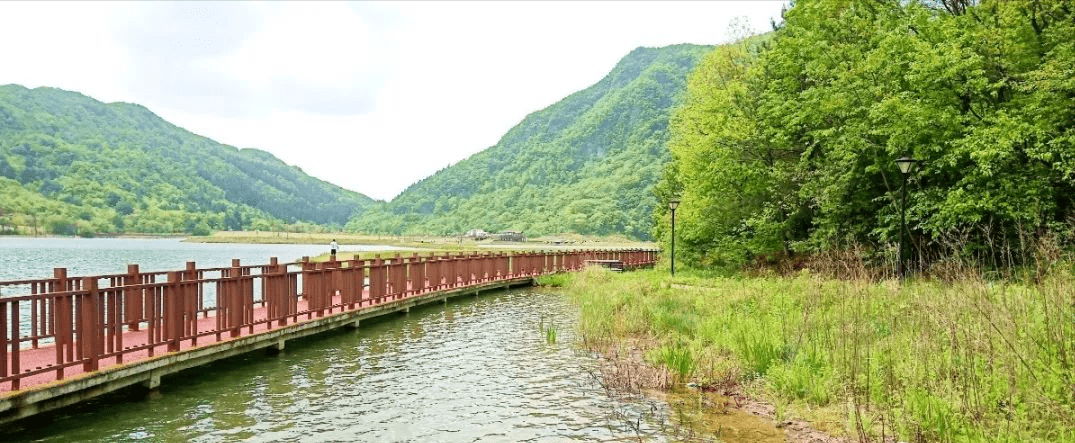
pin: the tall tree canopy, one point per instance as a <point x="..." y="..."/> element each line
<point x="788" y="141"/>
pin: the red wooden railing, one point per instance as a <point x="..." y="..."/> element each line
<point x="62" y="326"/>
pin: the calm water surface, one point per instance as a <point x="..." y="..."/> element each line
<point x="27" y="258"/>
<point x="474" y="370"/>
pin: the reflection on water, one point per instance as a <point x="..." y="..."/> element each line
<point x="479" y="369"/>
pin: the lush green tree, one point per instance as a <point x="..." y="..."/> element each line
<point x="788" y="142"/>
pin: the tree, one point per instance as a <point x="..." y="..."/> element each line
<point x="793" y="148"/>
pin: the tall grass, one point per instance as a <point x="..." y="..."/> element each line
<point x="967" y="361"/>
<point x="548" y="330"/>
<point x="677" y="358"/>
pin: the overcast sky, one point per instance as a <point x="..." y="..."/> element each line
<point x="371" y="96"/>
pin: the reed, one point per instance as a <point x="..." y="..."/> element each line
<point x="548" y="330"/>
<point x="960" y="359"/>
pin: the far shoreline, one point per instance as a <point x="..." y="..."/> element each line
<point x="566" y="241"/>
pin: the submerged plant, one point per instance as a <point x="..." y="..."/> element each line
<point x="550" y="334"/>
<point x="549" y="331"/>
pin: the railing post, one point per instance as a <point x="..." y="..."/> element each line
<point x="173" y="314"/>
<point x="307" y="283"/>
<point x="399" y="282"/>
<point x="274" y="292"/>
<point x="465" y="268"/>
<point x="235" y="302"/>
<point x="132" y="297"/>
<point x="63" y="319"/>
<point x="192" y="293"/>
<point x="89" y="327"/>
<point x="268" y="291"/>
<point x="5" y="339"/>
<point x="502" y="266"/>
<point x="447" y="270"/>
<point x="429" y="264"/>
<point x="346" y="285"/>
<point x="364" y="277"/>
<point x="416" y="273"/>
<point x="334" y="283"/>
<point x="323" y="287"/>
<point x="378" y="280"/>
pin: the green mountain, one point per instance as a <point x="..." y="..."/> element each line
<point x="587" y="164"/>
<point x="70" y="164"/>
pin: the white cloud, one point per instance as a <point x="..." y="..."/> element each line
<point x="371" y="96"/>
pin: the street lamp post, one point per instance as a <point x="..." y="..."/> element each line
<point x="906" y="165"/>
<point x="673" y="204"/>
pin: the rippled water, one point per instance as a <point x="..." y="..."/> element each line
<point x="474" y="370"/>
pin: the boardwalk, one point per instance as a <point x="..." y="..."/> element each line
<point x="64" y="339"/>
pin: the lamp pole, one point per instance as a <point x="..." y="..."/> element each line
<point x="673" y="204"/>
<point x="906" y="165"/>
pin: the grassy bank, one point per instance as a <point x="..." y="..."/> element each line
<point x="921" y="361"/>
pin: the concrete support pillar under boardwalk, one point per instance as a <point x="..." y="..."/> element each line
<point x="151" y="383"/>
<point x="275" y="347"/>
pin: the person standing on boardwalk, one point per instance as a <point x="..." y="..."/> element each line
<point x="333" y="246"/>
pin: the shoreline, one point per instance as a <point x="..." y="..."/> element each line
<point x="419" y="241"/>
<point x="845" y="358"/>
<point x="408" y="242"/>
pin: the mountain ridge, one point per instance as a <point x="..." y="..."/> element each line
<point x="608" y="139"/>
<point x="116" y="167"/>
<point x="586" y="164"/>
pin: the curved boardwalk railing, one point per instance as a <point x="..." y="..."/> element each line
<point x="60" y="327"/>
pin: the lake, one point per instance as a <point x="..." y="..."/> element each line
<point x="28" y="258"/>
<point x="479" y="369"/>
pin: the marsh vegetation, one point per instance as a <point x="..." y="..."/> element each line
<point x="874" y="360"/>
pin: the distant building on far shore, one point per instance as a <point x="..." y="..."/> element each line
<point x="511" y="236"/>
<point x="476" y="234"/>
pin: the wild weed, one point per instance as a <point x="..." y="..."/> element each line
<point x="554" y="280"/>
<point x="677" y="359"/>
<point x="550" y="334"/>
<point x="548" y="330"/>
<point x="958" y="359"/>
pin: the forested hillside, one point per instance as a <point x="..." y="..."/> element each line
<point x="789" y="144"/>
<point x="72" y="165"/>
<point x="586" y="164"/>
